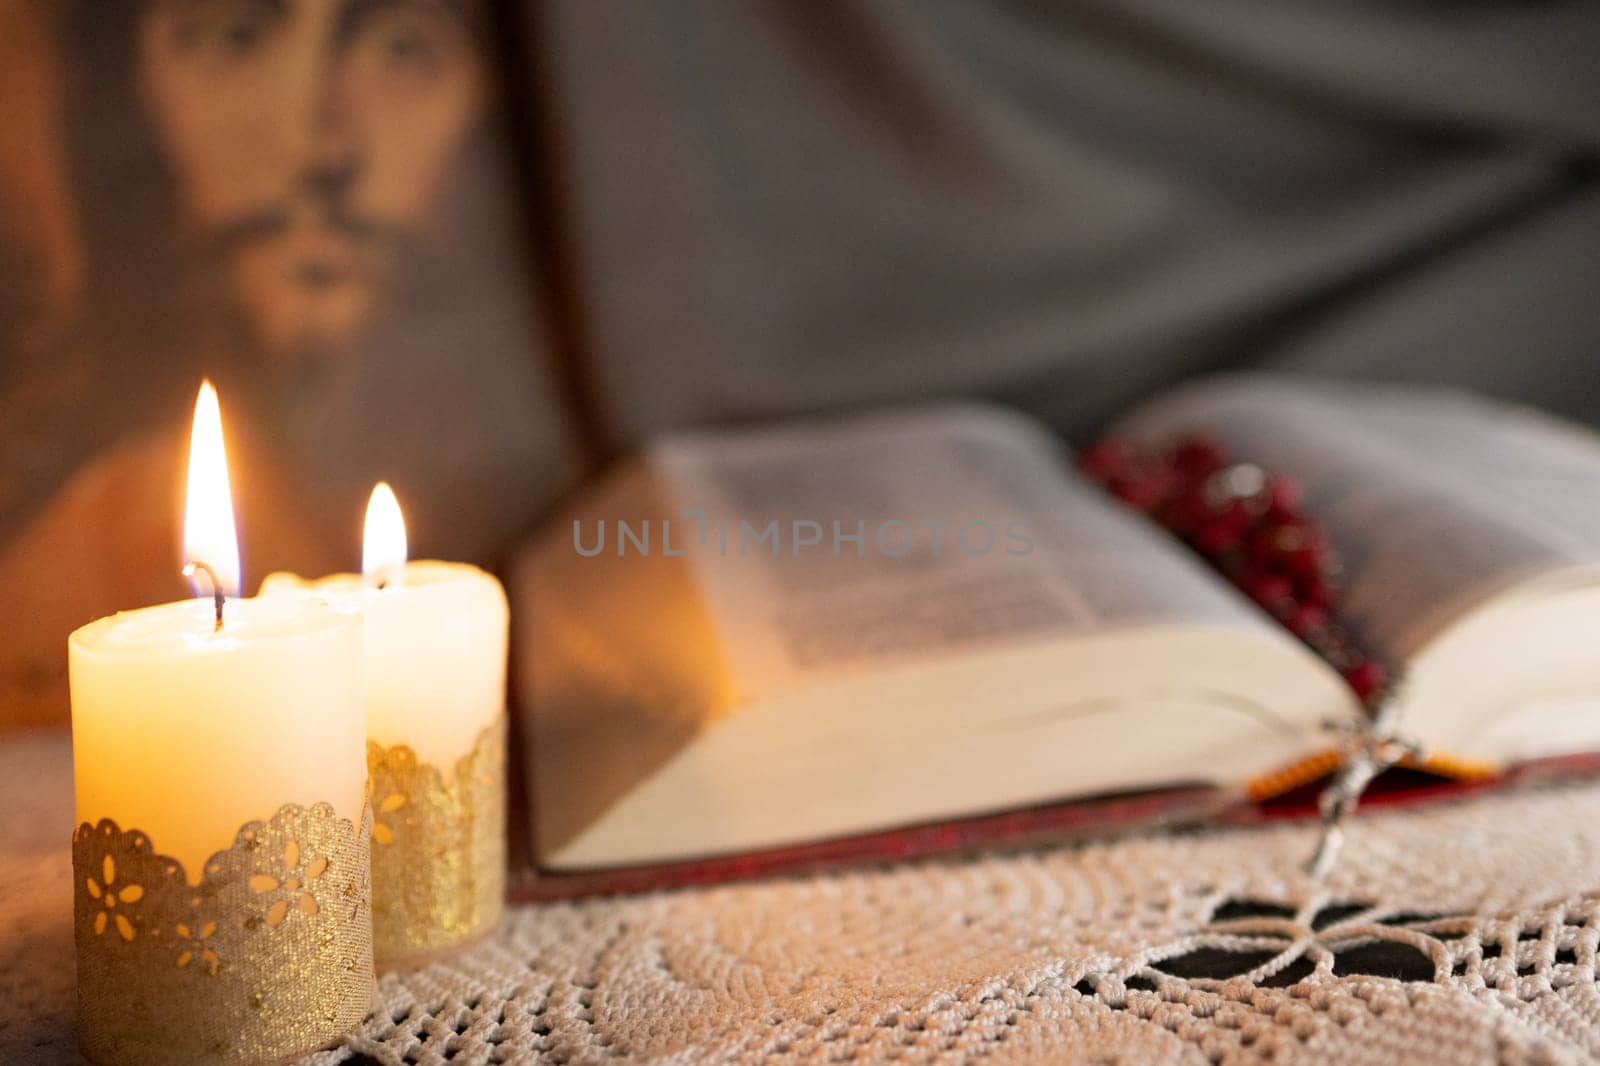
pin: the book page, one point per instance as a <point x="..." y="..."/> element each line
<point x="832" y="547"/>
<point x="1435" y="500"/>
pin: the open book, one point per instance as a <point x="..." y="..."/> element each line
<point x="760" y="639"/>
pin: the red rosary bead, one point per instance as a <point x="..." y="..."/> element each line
<point x="1283" y="496"/>
<point x="1291" y="543"/>
<point x="1108" y="459"/>
<point x="1272" y="591"/>
<point x="1307" y="620"/>
<point x="1198" y="456"/>
<point x="1318" y="591"/>
<point x="1217" y="537"/>
<point x="1144" y="492"/>
<point x="1188" y="511"/>
<point x="1367" y="678"/>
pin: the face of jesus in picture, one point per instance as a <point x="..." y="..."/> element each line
<point x="310" y="141"/>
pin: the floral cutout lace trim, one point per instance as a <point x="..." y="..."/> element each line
<point x="438" y="848"/>
<point x="270" y="955"/>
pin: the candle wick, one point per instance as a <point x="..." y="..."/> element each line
<point x="385" y="576"/>
<point x="217" y="596"/>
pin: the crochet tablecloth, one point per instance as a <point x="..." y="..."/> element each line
<point x="1456" y="934"/>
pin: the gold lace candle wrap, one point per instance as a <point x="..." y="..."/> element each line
<point x="267" y="958"/>
<point x="438" y="849"/>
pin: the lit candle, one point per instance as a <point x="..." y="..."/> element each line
<point x="435" y="659"/>
<point x="221" y="866"/>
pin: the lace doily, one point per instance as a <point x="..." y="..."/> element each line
<point x="1457" y="934"/>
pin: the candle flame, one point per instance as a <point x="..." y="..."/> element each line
<point x="383" y="543"/>
<point x="209" y="535"/>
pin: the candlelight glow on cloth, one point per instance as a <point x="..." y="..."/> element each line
<point x="383" y="541"/>
<point x="210" y="538"/>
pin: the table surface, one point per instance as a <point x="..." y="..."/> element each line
<point x="1463" y="932"/>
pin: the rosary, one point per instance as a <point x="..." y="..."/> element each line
<point x="1250" y="526"/>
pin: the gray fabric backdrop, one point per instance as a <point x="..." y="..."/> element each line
<point x="775" y="207"/>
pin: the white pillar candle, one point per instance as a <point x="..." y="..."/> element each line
<point x="435" y="696"/>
